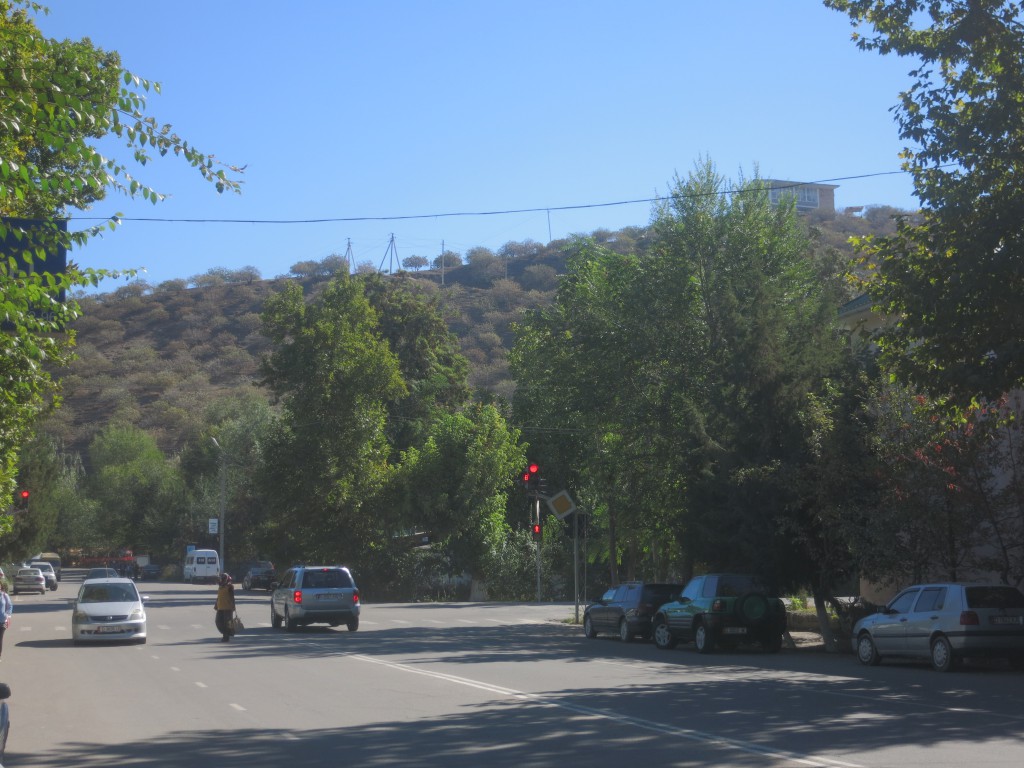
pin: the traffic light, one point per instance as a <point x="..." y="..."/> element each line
<point x="537" y="531"/>
<point x="531" y="477"/>
<point x="22" y="498"/>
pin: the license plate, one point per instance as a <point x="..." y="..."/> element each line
<point x="1007" y="620"/>
<point x="109" y="630"/>
<point x="327" y="597"/>
<point x="735" y="631"/>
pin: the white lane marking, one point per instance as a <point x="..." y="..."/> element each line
<point x="239" y="707"/>
<point x="650" y="725"/>
<point x="201" y="685"/>
<point x="175" y="669"/>
<point x="400" y="621"/>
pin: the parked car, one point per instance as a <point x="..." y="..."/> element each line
<point x="324" y="594"/>
<point x="29" y="580"/>
<point x="722" y="609"/>
<point x="627" y="609"/>
<point x="100" y="573"/>
<point x="150" y="571"/>
<point x="260" y="576"/>
<point x="945" y="623"/>
<point x="48" y="573"/>
<point x="108" y="609"/>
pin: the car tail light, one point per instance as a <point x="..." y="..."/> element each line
<point x="969" y="619"/>
<point x="718" y="605"/>
<point x="355" y="597"/>
<point x="297" y="596"/>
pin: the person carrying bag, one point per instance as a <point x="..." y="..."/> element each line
<point x="225" y="608"/>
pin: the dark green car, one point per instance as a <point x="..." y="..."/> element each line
<point x="721" y="610"/>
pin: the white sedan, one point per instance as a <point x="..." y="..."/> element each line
<point x="108" y="609"/>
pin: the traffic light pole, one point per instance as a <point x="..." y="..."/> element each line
<point x="536" y="512"/>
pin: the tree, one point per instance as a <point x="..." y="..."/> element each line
<point x="954" y="278"/>
<point x="335" y="376"/>
<point x="415" y="262"/>
<point x="55" y="99"/>
<point x="677" y="382"/>
<point x="135" y="486"/>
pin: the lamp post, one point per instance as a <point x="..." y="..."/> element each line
<point x="223" y="501"/>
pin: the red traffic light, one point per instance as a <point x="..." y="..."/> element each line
<point x="536" y="532"/>
<point x="534" y="468"/>
<point x="24" y="495"/>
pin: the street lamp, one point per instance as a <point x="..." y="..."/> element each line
<point x="223" y="500"/>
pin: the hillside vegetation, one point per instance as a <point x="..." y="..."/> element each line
<point x="156" y="356"/>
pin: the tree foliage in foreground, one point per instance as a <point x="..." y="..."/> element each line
<point x="954" y="278"/>
<point x="55" y="99"/>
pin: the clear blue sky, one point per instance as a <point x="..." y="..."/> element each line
<point x="404" y="109"/>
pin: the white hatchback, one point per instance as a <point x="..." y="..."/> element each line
<point x="108" y="610"/>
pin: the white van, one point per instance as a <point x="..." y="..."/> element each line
<point x="202" y="565"/>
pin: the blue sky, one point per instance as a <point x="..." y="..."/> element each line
<point x="391" y="109"/>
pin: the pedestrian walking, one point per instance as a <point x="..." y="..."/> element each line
<point x="6" y="609"/>
<point x="225" y="607"/>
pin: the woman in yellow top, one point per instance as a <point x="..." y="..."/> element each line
<point x="225" y="607"/>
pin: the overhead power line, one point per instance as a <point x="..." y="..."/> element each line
<point x="453" y="214"/>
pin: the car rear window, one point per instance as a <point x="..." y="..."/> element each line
<point x="659" y="594"/>
<point x="736" y="586"/>
<point x="326" y="579"/>
<point x="994" y="597"/>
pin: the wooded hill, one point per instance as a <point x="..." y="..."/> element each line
<point x="157" y="356"/>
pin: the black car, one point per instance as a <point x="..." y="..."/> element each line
<point x="722" y="610"/>
<point x="260" y="576"/>
<point x="150" y="571"/>
<point x="626" y="610"/>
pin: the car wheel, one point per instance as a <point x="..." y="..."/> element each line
<point x="289" y="623"/>
<point x="866" y="651"/>
<point x="275" y="620"/>
<point x="625" y="633"/>
<point x="588" y="627"/>
<point x="663" y="637"/>
<point x="943" y="659"/>
<point x="353" y="624"/>
<point x="703" y="638"/>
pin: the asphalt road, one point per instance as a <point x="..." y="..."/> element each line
<point x="472" y="685"/>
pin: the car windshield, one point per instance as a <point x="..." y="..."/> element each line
<point x="322" y="579"/>
<point x="108" y="593"/>
<point x="30" y="572"/>
<point x="994" y="597"/>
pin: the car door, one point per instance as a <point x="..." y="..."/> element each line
<point x="679" y="615"/>
<point x="890" y="627"/>
<point x="280" y="595"/>
<point x="923" y="619"/>
<point x="600" y="614"/>
<point x="626" y="600"/>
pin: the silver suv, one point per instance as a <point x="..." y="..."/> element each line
<point x="945" y="623"/>
<point x="48" y="573"/>
<point x="322" y="594"/>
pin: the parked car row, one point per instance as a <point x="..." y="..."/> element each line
<point x="711" y="610"/>
<point x="944" y="623"/>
